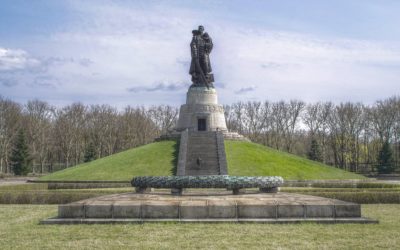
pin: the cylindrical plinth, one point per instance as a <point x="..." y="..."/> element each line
<point x="201" y="95"/>
<point x="201" y="111"/>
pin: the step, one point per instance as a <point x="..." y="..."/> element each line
<point x="202" y="137"/>
<point x="204" y="166"/>
<point x="202" y="155"/>
<point x="203" y="146"/>
<point x="193" y="172"/>
<point x="200" y="152"/>
<point x="201" y="133"/>
<point x="204" y="161"/>
<point x="211" y="168"/>
<point x="202" y="141"/>
<point x="208" y="165"/>
<point x="203" y="158"/>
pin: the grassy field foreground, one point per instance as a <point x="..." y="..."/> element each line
<point x="19" y="229"/>
<point x="160" y="158"/>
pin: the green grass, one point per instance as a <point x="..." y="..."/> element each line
<point x="19" y="229"/>
<point x="152" y="159"/>
<point x="244" y="158"/>
<point x="39" y="194"/>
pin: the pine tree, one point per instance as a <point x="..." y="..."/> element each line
<point x="385" y="159"/>
<point x="90" y="153"/>
<point x="20" y="159"/>
<point x="315" y="151"/>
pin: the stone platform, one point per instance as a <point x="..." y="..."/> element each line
<point x="200" y="206"/>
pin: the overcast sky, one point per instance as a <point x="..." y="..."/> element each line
<point x="137" y="52"/>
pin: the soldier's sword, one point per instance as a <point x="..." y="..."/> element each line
<point x="201" y="73"/>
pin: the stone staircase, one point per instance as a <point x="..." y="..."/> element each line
<point x="204" y="154"/>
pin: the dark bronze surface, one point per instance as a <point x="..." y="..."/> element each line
<point x="200" y="66"/>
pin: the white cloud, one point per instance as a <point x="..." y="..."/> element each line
<point x="11" y="59"/>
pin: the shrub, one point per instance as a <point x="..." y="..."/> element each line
<point x="315" y="153"/>
<point x="385" y="159"/>
<point x="20" y="159"/>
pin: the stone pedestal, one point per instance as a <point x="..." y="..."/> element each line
<point x="201" y="111"/>
<point x="219" y="206"/>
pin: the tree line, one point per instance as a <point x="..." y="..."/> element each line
<point x="58" y="138"/>
<point x="351" y="136"/>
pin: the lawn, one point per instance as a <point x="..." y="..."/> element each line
<point x="19" y="229"/>
<point x="152" y="159"/>
<point x="246" y="158"/>
<point x="160" y="158"/>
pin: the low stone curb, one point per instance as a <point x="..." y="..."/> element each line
<point x="70" y="221"/>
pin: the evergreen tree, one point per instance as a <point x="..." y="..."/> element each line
<point x="385" y="159"/>
<point x="315" y="151"/>
<point x="20" y="159"/>
<point x="90" y="153"/>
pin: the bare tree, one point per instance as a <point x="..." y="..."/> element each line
<point x="238" y="110"/>
<point x="315" y="117"/>
<point x="38" y="115"/>
<point x="383" y="118"/>
<point x="69" y="130"/>
<point x="286" y="119"/>
<point x="346" y="124"/>
<point x="10" y="117"/>
<point x="164" y="117"/>
<point x="254" y="119"/>
<point x="102" y="129"/>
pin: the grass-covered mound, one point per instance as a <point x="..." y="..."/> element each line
<point x="151" y="159"/>
<point x="246" y="158"/>
<point x="160" y="158"/>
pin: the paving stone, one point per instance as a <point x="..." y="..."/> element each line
<point x="221" y="209"/>
<point x="126" y="209"/>
<point x="256" y="209"/>
<point x="291" y="210"/>
<point x="347" y="210"/>
<point x="160" y="209"/>
<point x="319" y="211"/>
<point x="74" y="210"/>
<point x="193" y="209"/>
<point x="98" y="210"/>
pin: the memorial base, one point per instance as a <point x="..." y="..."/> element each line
<point x="216" y="206"/>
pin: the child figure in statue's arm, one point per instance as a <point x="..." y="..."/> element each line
<point x="208" y="43"/>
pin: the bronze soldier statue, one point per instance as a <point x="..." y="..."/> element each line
<point x="200" y="67"/>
